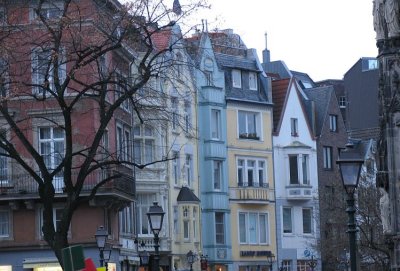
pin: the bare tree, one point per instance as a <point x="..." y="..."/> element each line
<point x="78" y="65"/>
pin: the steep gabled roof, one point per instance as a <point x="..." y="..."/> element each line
<point x="317" y="113"/>
<point x="279" y="91"/>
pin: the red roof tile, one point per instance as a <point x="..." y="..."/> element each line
<point x="279" y="91"/>
<point x="161" y="39"/>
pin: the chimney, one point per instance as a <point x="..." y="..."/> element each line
<point x="265" y="53"/>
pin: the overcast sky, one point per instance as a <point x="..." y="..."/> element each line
<point x="323" y="38"/>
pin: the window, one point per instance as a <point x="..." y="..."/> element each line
<point x="57" y="215"/>
<point x="249" y="125"/>
<point x="209" y="78"/>
<point x="327" y="152"/>
<point x="189" y="169"/>
<point x="51" y="146"/>
<point x="305" y="168"/>
<point x="3" y="16"/>
<point x="303" y="265"/>
<point x="219" y="228"/>
<point x="342" y="101"/>
<point x="175" y="217"/>
<point x="43" y="71"/>
<point x="121" y="86"/>
<point x="175" y="117"/>
<point x="294" y="127"/>
<point x="4" y="223"/>
<point x="126" y="220"/>
<point x="236" y="79"/>
<point x="217" y="174"/>
<point x="186" y="230"/>
<point x="144" y="203"/>
<point x="144" y="144"/>
<point x="194" y="223"/>
<point x="253" y="81"/>
<point x="287" y="220"/>
<point x="253" y="228"/>
<point x="50" y="10"/>
<point x="179" y="65"/>
<point x="175" y="167"/>
<point x="124" y="143"/>
<point x="286" y="265"/>
<point x="3" y="164"/>
<point x="307" y="220"/>
<point x="215" y="124"/>
<point x="333" y="123"/>
<point x="251" y="172"/>
<point x="293" y="169"/>
<point x="188" y="117"/>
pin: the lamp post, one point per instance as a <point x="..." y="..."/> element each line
<point x="312" y="263"/>
<point x="191" y="258"/>
<point x="350" y="164"/>
<point x="155" y="215"/>
<point x="101" y="236"/>
<point x="270" y="260"/>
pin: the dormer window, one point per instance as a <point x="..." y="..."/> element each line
<point x="236" y="79"/>
<point x="253" y="81"/>
<point x="294" y="127"/>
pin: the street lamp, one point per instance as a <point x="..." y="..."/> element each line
<point x="350" y="164"/>
<point x="312" y="263"/>
<point x="101" y="237"/>
<point x="155" y="215"/>
<point x="191" y="258"/>
<point x="270" y="260"/>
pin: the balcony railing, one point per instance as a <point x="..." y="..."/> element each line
<point x="299" y="192"/>
<point x="23" y="184"/>
<point x="250" y="193"/>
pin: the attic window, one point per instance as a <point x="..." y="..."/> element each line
<point x="252" y="81"/>
<point x="236" y="79"/>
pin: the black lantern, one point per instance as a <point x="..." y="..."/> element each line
<point x="191" y="258"/>
<point x="144" y="257"/>
<point x="350" y="162"/>
<point x="203" y="262"/>
<point x="155" y="215"/>
<point x="101" y="237"/>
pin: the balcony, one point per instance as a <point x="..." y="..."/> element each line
<point x="299" y="192"/>
<point x="263" y="194"/>
<point x="24" y="186"/>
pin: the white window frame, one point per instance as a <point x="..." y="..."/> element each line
<point x="6" y="224"/>
<point x="310" y="220"/>
<point x="246" y="238"/>
<point x="245" y="121"/>
<point x="215" y="124"/>
<point x="302" y="176"/>
<point x="126" y="220"/>
<point x="294" y="127"/>
<point x="333" y="120"/>
<point x="119" y="90"/>
<point x="56" y="210"/>
<point x="188" y="117"/>
<point x="186" y="223"/>
<point x="342" y="101"/>
<point x="217" y="174"/>
<point x="189" y="169"/>
<point x="124" y="142"/>
<point x="144" y="201"/>
<point x="291" y="230"/>
<point x="52" y="141"/>
<point x="175" y="113"/>
<point x="47" y="8"/>
<point x="144" y="144"/>
<point x="327" y="155"/>
<point x="220" y="228"/>
<point x="194" y="222"/>
<point x="244" y="168"/>
<point x="47" y="69"/>
<point x="253" y="81"/>
<point x="175" y="167"/>
<point x="236" y="78"/>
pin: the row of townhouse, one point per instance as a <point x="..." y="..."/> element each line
<point x="250" y="158"/>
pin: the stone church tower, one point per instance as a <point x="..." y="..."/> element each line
<point x="387" y="27"/>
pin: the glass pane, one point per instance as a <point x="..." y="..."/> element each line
<point x="44" y="133"/>
<point x="253" y="228"/>
<point x="294" y="174"/>
<point x="136" y="130"/>
<point x="263" y="228"/>
<point x="137" y="149"/>
<point x="148" y="131"/>
<point x="58" y="133"/>
<point x="149" y="150"/>
<point x="242" y="228"/>
<point x="251" y="120"/>
<point x="287" y="220"/>
<point x="242" y="123"/>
